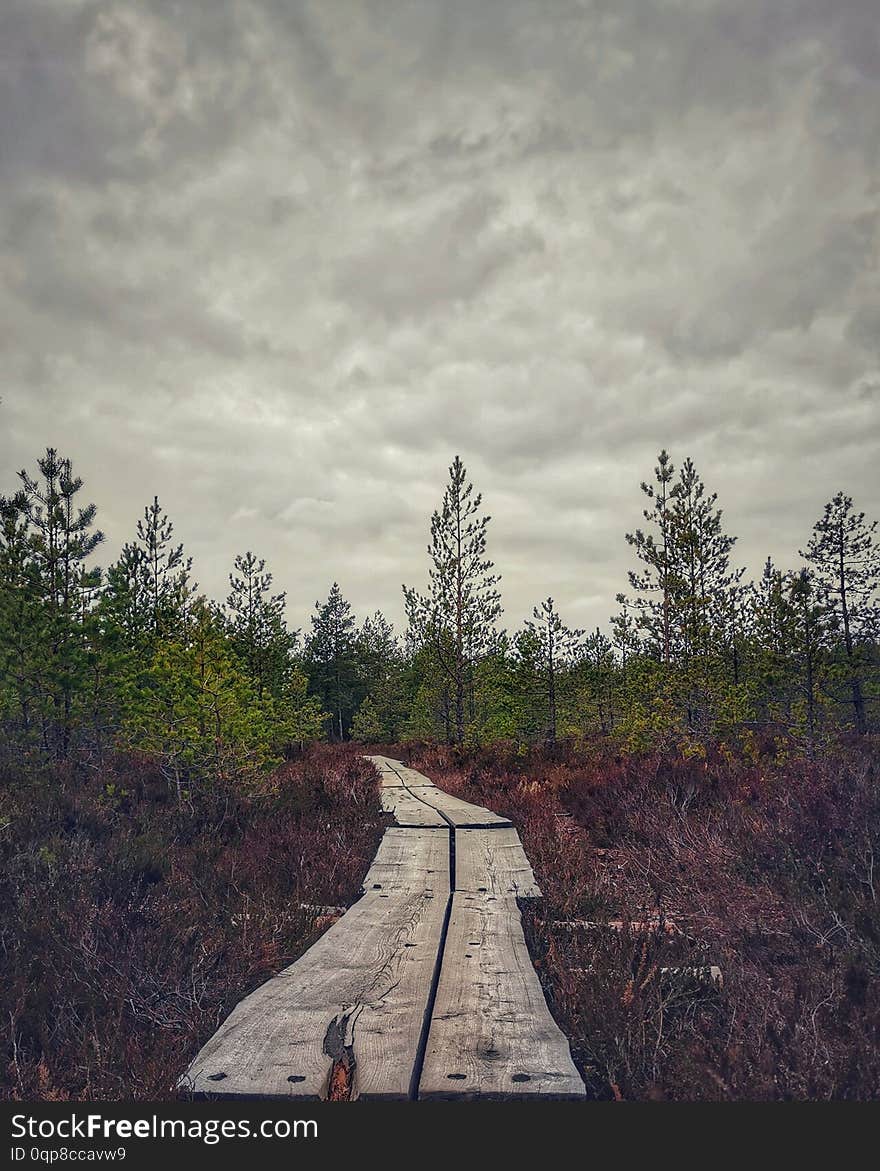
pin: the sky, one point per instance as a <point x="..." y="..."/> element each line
<point x="278" y="262"/>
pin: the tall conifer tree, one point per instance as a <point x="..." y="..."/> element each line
<point x="458" y="614"/>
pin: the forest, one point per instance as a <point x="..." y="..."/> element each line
<point x="184" y="808"/>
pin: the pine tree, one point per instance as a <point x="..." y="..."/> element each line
<point x="598" y="668"/>
<point x="625" y="635"/>
<point x="654" y="549"/>
<point x="845" y="556"/>
<point x="457" y="617"/>
<point x="627" y="647"/>
<point x="556" y="646"/>
<point x="127" y="603"/>
<point x="62" y="538"/>
<point x="382" y="671"/>
<point x="377" y="649"/>
<point x="332" y="660"/>
<point x="258" y="626"/>
<point x="772" y="625"/>
<point x="149" y="588"/>
<point x="165" y="571"/>
<point x="810" y="616"/>
<point x="702" y="577"/>
<point x="196" y="710"/>
<point x="21" y="619"/>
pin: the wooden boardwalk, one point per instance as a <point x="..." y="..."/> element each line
<point x="423" y="989"/>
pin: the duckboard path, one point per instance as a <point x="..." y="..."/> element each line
<point x="423" y="989"/>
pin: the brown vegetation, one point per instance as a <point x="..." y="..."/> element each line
<point x="652" y="863"/>
<point x="132" y="924"/>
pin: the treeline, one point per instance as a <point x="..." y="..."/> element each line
<point x="135" y="656"/>
<point x="695" y="653"/>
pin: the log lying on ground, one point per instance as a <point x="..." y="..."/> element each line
<point x="636" y="926"/>
<point x="707" y="976"/>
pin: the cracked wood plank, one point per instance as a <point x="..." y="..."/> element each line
<point x="491" y="1034"/>
<point x="408" y="810"/>
<point x="411" y="859"/>
<point x="347" y="1019"/>
<point x="493" y="861"/>
<point x="414" y="799"/>
<point x="387" y="770"/>
<point x="358" y="998"/>
<point x="460" y="813"/>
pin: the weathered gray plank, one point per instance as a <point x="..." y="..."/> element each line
<point x="403" y="787"/>
<point x="382" y="762"/>
<point x="411" y="859"/>
<point x="492" y="1035"/>
<point x="460" y="813"/>
<point x="492" y="861"/>
<point x="408" y="810"/>
<point x="387" y="769"/>
<point x="361" y="992"/>
<point x="364" y="984"/>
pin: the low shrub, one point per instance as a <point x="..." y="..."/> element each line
<point x="133" y="923"/>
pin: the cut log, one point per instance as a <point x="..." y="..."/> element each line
<point x="707" y="976"/>
<point x="636" y="926"/>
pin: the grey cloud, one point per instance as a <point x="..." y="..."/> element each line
<point x="279" y="261"/>
<point x="410" y="270"/>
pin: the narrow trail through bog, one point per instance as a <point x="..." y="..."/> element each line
<point x="424" y="988"/>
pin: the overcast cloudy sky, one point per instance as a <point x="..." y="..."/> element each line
<point x="279" y="261"/>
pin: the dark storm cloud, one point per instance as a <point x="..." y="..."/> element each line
<point x="279" y="261"/>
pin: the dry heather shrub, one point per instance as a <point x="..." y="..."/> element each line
<point x="134" y="924"/>
<point x="766" y="869"/>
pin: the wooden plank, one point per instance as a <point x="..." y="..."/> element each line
<point x="361" y="991"/>
<point x="384" y="762"/>
<point x="403" y="787"/>
<point x="492" y="861"/>
<point x="460" y="813"/>
<point x="412" y="860"/>
<point x="387" y="769"/>
<point x="408" y="810"/>
<point x="409" y="776"/>
<point x="492" y="1035"/>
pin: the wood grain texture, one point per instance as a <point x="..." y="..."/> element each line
<point x="492" y="861"/>
<point x="492" y="1035"/>
<point x="404" y="790"/>
<point x="385" y="766"/>
<point x="408" y="810"/>
<point x="411" y="860"/>
<point x="364" y="985"/>
<point x="460" y="813"/>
